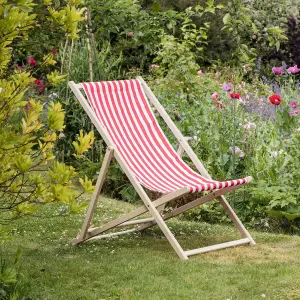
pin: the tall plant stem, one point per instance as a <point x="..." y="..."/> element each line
<point x="64" y="56"/>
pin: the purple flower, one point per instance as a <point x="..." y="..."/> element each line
<point x="293" y="104"/>
<point x="227" y="87"/>
<point x="295" y="112"/>
<point x="293" y="70"/>
<point x="277" y="70"/>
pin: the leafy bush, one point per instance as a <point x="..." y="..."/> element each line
<point x="30" y="123"/>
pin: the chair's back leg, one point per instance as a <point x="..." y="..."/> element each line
<point x="239" y="225"/>
<point x="103" y="171"/>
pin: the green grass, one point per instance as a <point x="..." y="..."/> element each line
<point x="144" y="266"/>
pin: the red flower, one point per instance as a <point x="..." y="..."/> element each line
<point x="275" y="99"/>
<point x="40" y="87"/>
<point x="54" y="51"/>
<point x="31" y="61"/>
<point x="234" y="95"/>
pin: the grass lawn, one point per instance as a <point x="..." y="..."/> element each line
<point x="144" y="266"/>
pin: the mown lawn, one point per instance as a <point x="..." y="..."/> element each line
<point x="143" y="266"/>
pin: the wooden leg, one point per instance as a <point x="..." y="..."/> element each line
<point x="103" y="171"/>
<point x="241" y="228"/>
<point x="137" y="212"/>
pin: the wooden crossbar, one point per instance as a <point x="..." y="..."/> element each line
<point x="217" y="247"/>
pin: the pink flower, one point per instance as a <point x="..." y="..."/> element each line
<point x="31" y="61"/>
<point x="130" y="34"/>
<point x="295" y="112"/>
<point x="21" y="68"/>
<point x="227" y="87"/>
<point x="293" y="70"/>
<point x="54" y="51"/>
<point x="200" y="73"/>
<point x="215" y="95"/>
<point x="293" y="104"/>
<point x="277" y="70"/>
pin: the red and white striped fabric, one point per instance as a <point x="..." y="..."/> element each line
<point x="123" y="109"/>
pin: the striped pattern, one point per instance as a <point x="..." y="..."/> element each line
<point x="123" y="109"/>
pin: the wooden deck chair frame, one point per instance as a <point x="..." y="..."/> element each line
<point x="153" y="207"/>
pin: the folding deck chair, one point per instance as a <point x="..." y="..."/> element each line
<point x="121" y="113"/>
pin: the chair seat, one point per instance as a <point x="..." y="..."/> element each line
<point x="124" y="110"/>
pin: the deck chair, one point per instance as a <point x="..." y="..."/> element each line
<point x="121" y="113"/>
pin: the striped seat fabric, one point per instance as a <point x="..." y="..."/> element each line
<point x="124" y="110"/>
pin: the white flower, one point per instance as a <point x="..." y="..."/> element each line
<point x="248" y="126"/>
<point x="53" y="96"/>
<point x="274" y="154"/>
<point x="263" y="296"/>
<point x="61" y="135"/>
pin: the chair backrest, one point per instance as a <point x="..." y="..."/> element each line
<point x="123" y="109"/>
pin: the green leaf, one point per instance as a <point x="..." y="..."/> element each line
<point x="155" y="7"/>
<point x="226" y="19"/>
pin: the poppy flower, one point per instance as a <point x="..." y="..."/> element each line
<point x="235" y="96"/>
<point x="40" y="87"/>
<point x="277" y="70"/>
<point x="215" y="95"/>
<point x="293" y="70"/>
<point x="293" y="104"/>
<point x="275" y="99"/>
<point x="227" y="87"/>
<point x="31" y="61"/>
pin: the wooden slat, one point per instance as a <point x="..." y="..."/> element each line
<point x="217" y="247"/>
<point x="134" y="222"/>
<point x="108" y="235"/>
